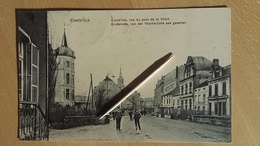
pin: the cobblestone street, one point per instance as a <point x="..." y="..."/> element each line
<point x="153" y="129"/>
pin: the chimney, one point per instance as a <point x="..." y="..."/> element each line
<point x="215" y="64"/>
<point x="177" y="71"/>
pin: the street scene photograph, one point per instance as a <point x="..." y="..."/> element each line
<point x="71" y="63"/>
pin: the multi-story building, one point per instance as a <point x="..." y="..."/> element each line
<point x="32" y="49"/>
<point x="171" y="89"/>
<point x="104" y="92"/>
<point x="197" y="70"/>
<point x="148" y="105"/>
<point x="201" y="99"/>
<point x="219" y="94"/>
<point x="65" y="82"/>
<point x="158" y="93"/>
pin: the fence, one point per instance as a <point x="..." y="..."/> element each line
<point x="33" y="124"/>
<point x="75" y="121"/>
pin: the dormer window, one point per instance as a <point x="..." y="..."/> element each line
<point x="217" y="74"/>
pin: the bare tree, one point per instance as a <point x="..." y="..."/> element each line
<point x="52" y="76"/>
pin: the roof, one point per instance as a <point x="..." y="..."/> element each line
<point x="200" y="63"/>
<point x="64" y="49"/>
<point x="175" y="91"/>
<point x="148" y="99"/>
<point x="203" y="84"/>
<point x="171" y="76"/>
<point x="226" y="70"/>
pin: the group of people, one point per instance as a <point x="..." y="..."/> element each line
<point x="136" y="116"/>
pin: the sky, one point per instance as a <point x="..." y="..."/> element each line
<point x="102" y="48"/>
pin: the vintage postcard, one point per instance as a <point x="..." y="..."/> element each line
<point x="72" y="62"/>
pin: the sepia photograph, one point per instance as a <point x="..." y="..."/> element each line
<point x="71" y="63"/>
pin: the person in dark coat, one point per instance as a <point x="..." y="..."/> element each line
<point x="137" y="116"/>
<point x="118" y="115"/>
<point x="131" y="115"/>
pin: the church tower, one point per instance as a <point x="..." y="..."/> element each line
<point x="120" y="80"/>
<point x="64" y="89"/>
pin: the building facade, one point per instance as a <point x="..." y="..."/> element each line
<point x="197" y="70"/>
<point x="65" y="81"/>
<point x="104" y="92"/>
<point x="201" y="99"/>
<point x="32" y="47"/>
<point x="148" y="105"/>
<point x="158" y="93"/>
<point x="219" y="94"/>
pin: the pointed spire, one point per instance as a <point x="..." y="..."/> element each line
<point x="64" y="40"/>
<point x="120" y="73"/>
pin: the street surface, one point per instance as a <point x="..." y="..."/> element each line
<point x="153" y="129"/>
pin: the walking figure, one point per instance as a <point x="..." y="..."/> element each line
<point x="131" y="115"/>
<point x="137" y="117"/>
<point x="118" y="119"/>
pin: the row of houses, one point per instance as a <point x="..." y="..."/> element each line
<point x="200" y="85"/>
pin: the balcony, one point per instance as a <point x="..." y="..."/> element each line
<point x="33" y="124"/>
<point x="216" y="97"/>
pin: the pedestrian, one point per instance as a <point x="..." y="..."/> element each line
<point x="114" y="115"/>
<point x="131" y="115"/>
<point x="137" y="117"/>
<point x="118" y="119"/>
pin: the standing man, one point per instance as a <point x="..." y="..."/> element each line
<point x="137" y="117"/>
<point x="131" y="115"/>
<point x="118" y="118"/>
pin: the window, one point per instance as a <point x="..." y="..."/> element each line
<point x="210" y="92"/>
<point x="35" y="56"/>
<point x="72" y="94"/>
<point x="204" y="88"/>
<point x="203" y="108"/>
<point x="190" y="104"/>
<point x="224" y="88"/>
<point x="181" y="90"/>
<point x="20" y="49"/>
<point x="34" y="71"/>
<point x="195" y="91"/>
<point x="186" y="88"/>
<point x="67" y="93"/>
<point x="34" y="76"/>
<point x="73" y="65"/>
<point x="216" y="108"/>
<point x="20" y="80"/>
<point x="217" y="74"/>
<point x="34" y="93"/>
<point x="67" y="64"/>
<point x="198" y="108"/>
<point x="190" y="87"/>
<point x="224" y="108"/>
<point x="216" y="89"/>
<point x="178" y="101"/>
<point x="73" y="79"/>
<point x="204" y="97"/>
<point x="67" y="78"/>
